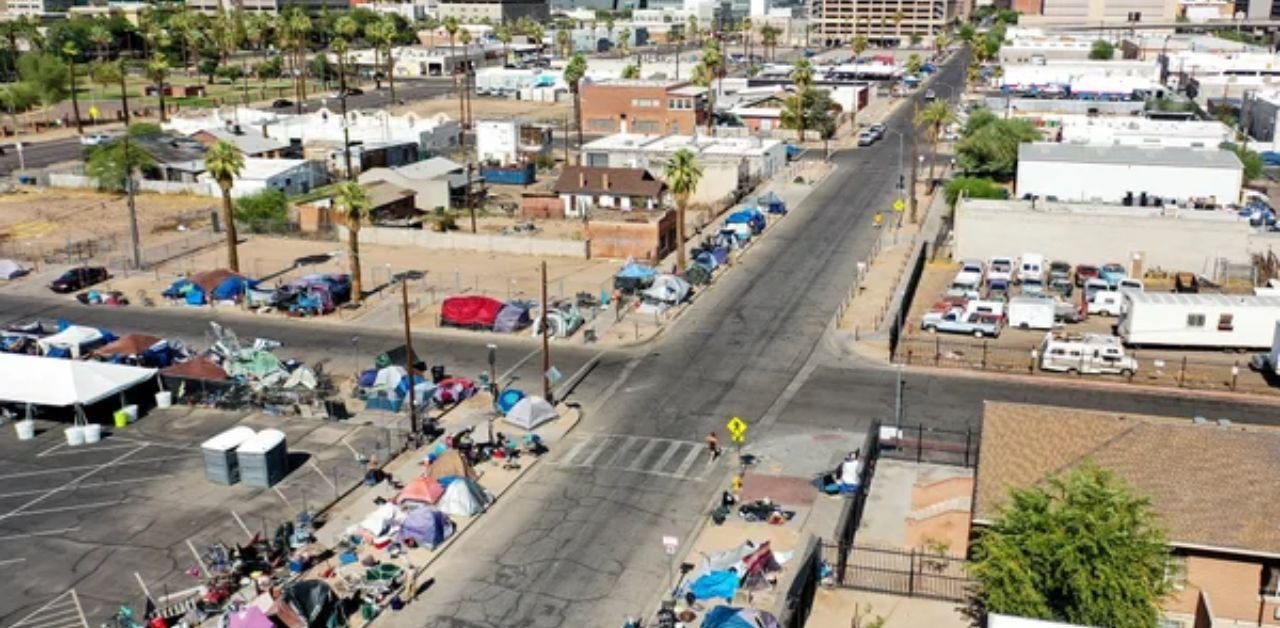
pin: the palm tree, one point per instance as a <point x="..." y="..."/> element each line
<point x="383" y="35"/>
<point x="352" y="202"/>
<point x="573" y="73"/>
<point x="702" y="77"/>
<point x="941" y="42"/>
<point x="101" y="38"/>
<point x="70" y="51"/>
<point x="624" y="41"/>
<point x="682" y="174"/>
<point x="692" y="28"/>
<point x="296" y="27"/>
<point x="503" y="33"/>
<point x="451" y="27"/>
<point x="224" y="162"/>
<point x="465" y="38"/>
<point x="158" y="72"/>
<point x="860" y="45"/>
<point x="430" y="24"/>
<point x="897" y="18"/>
<point x="340" y="48"/>
<point x="746" y="39"/>
<point x="676" y="37"/>
<point x="713" y="70"/>
<point x="936" y="116"/>
<point x="769" y="38"/>
<point x="111" y="73"/>
<point x="564" y="41"/>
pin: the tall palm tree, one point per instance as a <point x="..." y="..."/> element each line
<point x="344" y="29"/>
<point x="70" y="51"/>
<point x="574" y="71"/>
<point x="682" y="174"/>
<point x="430" y="24"/>
<point x="340" y="48"/>
<point x="101" y="39"/>
<point x="564" y="41"/>
<point x="860" y="45"/>
<point x="794" y="116"/>
<point x="296" y="29"/>
<point x="465" y="38"/>
<point x="692" y="29"/>
<point x="897" y="19"/>
<point x="352" y="202"/>
<point x="675" y="36"/>
<point x="714" y="66"/>
<point x="702" y="77"/>
<point x="158" y="72"/>
<point x="624" y="41"/>
<point x="746" y="39"/>
<point x="451" y="27"/>
<point x="111" y="73"/>
<point x="503" y="33"/>
<point x="769" y="38"/>
<point x="383" y="35"/>
<point x="224" y="162"/>
<point x="936" y="116"/>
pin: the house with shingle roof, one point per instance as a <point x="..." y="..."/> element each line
<point x="1214" y="485"/>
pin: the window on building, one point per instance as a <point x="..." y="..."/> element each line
<point x="647" y="126"/>
<point x="602" y="124"/>
<point x="1175" y="571"/>
<point x="644" y="102"/>
<point x="1195" y="320"/>
<point x="1226" y="322"/>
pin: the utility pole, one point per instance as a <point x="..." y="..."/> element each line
<point x="566" y="140"/>
<point x="915" y="159"/>
<point x="897" y="407"/>
<point x="134" y="236"/>
<point x="546" y="340"/>
<point x="471" y="206"/>
<point x="408" y="354"/>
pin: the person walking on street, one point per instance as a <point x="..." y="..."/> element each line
<point x="879" y="220"/>
<point x="713" y="446"/>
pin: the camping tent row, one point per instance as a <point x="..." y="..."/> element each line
<point x="651" y="286"/>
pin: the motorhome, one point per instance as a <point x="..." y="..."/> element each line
<point x="1085" y="354"/>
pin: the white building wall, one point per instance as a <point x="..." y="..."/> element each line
<point x="1182" y="241"/>
<point x="1109" y="183"/>
<point x="497" y="140"/>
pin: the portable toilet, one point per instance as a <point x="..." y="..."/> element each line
<point x="220" y="465"/>
<point x="263" y="459"/>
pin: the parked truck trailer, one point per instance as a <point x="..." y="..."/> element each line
<point x="1225" y="321"/>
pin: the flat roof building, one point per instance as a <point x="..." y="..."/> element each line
<point x="1115" y="174"/>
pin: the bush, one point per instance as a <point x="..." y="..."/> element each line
<point x="267" y="210"/>
<point x="1102" y="50"/>
<point x="545" y="161"/>
<point x="972" y="187"/>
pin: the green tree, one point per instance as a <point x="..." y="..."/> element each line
<point x="682" y="173"/>
<point x="158" y="72"/>
<point x="101" y="39"/>
<point x="451" y="27"/>
<point x="574" y="71"/>
<point x="935" y="117"/>
<point x="114" y="73"/>
<point x="972" y="187"/>
<point x="47" y="75"/>
<point x="264" y="211"/>
<point x="630" y="71"/>
<point x="769" y="39"/>
<point x="966" y="33"/>
<point x="503" y="34"/>
<point x="564" y="43"/>
<point x="352" y="202"/>
<point x="225" y="162"/>
<point x="713" y="68"/>
<point x="112" y="164"/>
<point x="1080" y="549"/>
<point x="860" y="45"/>
<point x="914" y="64"/>
<point x="294" y="33"/>
<point x="383" y="36"/>
<point x="1102" y="50"/>
<point x="70" y="51"/>
<point x="1251" y="160"/>
<point x="992" y="149"/>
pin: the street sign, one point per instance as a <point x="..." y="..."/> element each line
<point x="737" y="428"/>
<point x="553" y="375"/>
<point x="670" y="543"/>
<point x="94" y="113"/>
<point x="898" y="205"/>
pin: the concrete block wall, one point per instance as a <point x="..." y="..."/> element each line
<point x="512" y="245"/>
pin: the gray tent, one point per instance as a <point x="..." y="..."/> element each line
<point x="464" y="498"/>
<point x="531" y="412"/>
<point x="512" y="317"/>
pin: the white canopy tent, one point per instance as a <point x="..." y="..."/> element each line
<point x="72" y="338"/>
<point x="53" y="382"/>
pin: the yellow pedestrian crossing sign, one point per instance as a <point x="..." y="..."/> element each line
<point x="737" y="428"/>
<point x="94" y="113"/>
<point x="898" y="205"/>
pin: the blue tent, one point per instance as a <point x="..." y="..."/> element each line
<point x="749" y="216"/>
<point x="195" y="297"/>
<point x="509" y="398"/>
<point x="772" y="203"/>
<point x="231" y="288"/>
<point x="637" y="271"/>
<point x="722" y="584"/>
<point x="427" y="527"/>
<point x="730" y="617"/>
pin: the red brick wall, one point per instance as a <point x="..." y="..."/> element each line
<point x="541" y="208"/>
<point x="609" y="103"/>
<point x="646" y="241"/>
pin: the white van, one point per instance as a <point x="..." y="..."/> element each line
<point x="1109" y="303"/>
<point x="1031" y="266"/>
<point x="1085" y="353"/>
<point x="1031" y="312"/>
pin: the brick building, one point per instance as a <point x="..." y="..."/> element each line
<point x="643" y="106"/>
<point x="1210" y="485"/>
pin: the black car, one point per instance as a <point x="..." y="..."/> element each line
<point x="79" y="279"/>
<point x="281" y="103"/>
<point x="355" y="91"/>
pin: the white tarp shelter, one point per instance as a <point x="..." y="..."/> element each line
<point x="72" y="338"/>
<point x="531" y="412"/>
<point x="53" y="382"/>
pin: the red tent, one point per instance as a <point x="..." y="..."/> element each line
<point x="425" y="490"/>
<point x="201" y="368"/>
<point x="130" y="344"/>
<point x="474" y="312"/>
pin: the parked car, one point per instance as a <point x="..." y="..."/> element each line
<point x="1062" y="286"/>
<point x="1032" y="287"/>
<point x="355" y="91"/>
<point x="1031" y="266"/>
<point x="281" y="103"/>
<point x="1085" y="272"/>
<point x="1000" y="269"/>
<point x="1094" y="286"/>
<point x="879" y="129"/>
<point x="866" y="138"/>
<point x="1129" y="283"/>
<point x="1059" y="269"/>
<point x="1106" y="303"/>
<point x="956" y="321"/>
<point x="79" y="278"/>
<point x="929" y="95"/>
<point x="98" y="139"/>
<point x="1112" y="273"/>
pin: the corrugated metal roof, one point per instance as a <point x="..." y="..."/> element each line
<point x="1233" y="300"/>
<point x="1128" y="155"/>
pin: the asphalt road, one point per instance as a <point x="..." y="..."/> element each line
<point x="39" y="154"/>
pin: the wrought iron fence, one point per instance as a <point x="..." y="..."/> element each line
<point x="913" y="573"/>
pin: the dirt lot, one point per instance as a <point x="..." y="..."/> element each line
<point x="484" y="107"/>
<point x="1011" y="352"/>
<point x="34" y="223"/>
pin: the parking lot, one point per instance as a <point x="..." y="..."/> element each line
<point x="84" y="529"/>
<point x="1012" y="350"/>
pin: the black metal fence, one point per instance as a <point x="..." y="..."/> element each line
<point x="911" y="572"/>
<point x="904" y="306"/>
<point x="918" y="443"/>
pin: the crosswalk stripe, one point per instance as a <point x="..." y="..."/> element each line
<point x="591" y="459"/>
<point x="573" y="453"/>
<point x="619" y="455"/>
<point x="644" y="453"/>
<point x="688" y="460"/>
<point x="666" y="455"/>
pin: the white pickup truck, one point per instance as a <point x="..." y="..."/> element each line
<point x="957" y="321"/>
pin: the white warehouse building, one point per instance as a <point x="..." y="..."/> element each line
<point x="1142" y="132"/>
<point x="1124" y="174"/>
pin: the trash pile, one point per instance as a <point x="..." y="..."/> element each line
<point x="219" y="286"/>
<point x="748" y="567"/>
<point x="311" y="295"/>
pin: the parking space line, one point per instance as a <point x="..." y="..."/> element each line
<point x="101" y="484"/>
<point x="324" y="477"/>
<point x="45" y="511"/>
<point x="10" y="561"/>
<point x="282" y="497"/>
<point x="27" y="474"/>
<point x="80" y="478"/>
<point x="240" y="521"/>
<point x="39" y="616"/>
<point x="17" y="537"/>
<point x="88" y="449"/>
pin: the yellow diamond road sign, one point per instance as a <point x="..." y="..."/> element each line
<point x="898" y="205"/>
<point x="737" y="428"/>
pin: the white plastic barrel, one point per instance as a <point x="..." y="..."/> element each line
<point x="132" y="411"/>
<point x="92" y="433"/>
<point x="26" y="429"/>
<point x="164" y="399"/>
<point x="75" y="435"/>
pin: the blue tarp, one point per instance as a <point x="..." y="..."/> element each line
<point x="637" y="271"/>
<point x="195" y="297"/>
<point x="178" y="288"/>
<point x="721" y="584"/>
<point x="509" y="398"/>
<point x="231" y="288"/>
<point x="730" y="617"/>
<point x="368" y="377"/>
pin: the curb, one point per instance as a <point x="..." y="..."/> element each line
<point x="1109" y="386"/>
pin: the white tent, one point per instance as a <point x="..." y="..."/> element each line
<point x="10" y="269"/>
<point x="668" y="289"/>
<point x="464" y="498"/>
<point x="531" y="412"/>
<point x="53" y="382"/>
<point x="72" y="338"/>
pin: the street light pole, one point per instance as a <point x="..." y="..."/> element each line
<point x="408" y="356"/>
